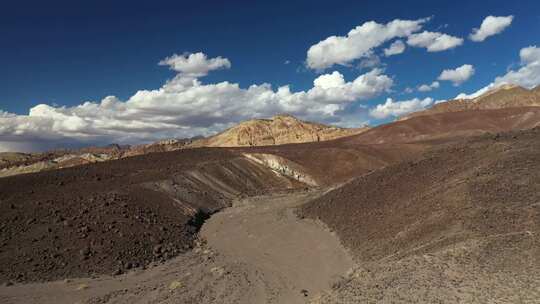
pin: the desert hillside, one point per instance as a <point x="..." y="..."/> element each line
<point x="460" y="224"/>
<point x="112" y="216"/>
<point x="278" y="130"/>
<point x="505" y="96"/>
<point x="358" y="152"/>
<point x="417" y="193"/>
<point x="451" y="125"/>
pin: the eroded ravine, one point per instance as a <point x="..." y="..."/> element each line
<point x="257" y="251"/>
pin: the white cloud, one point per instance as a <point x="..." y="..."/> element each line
<point x="358" y="43"/>
<point x="475" y="94"/>
<point x="399" y="108"/>
<point x="195" y="64"/>
<point x="434" y="41"/>
<point x="408" y="90"/>
<point x="184" y="107"/>
<point x="490" y="26"/>
<point x="429" y="87"/>
<point x="371" y="60"/>
<point x="458" y="75"/>
<point x="397" y="47"/>
<point x="527" y="76"/>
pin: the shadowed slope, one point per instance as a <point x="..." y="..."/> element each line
<point x="109" y="217"/>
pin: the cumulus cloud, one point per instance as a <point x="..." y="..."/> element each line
<point x="397" y="47"/>
<point x="429" y="87"/>
<point x="195" y="64"/>
<point x="369" y="61"/>
<point x="434" y="41"/>
<point x="358" y="43"/>
<point x="399" y="108"/>
<point x="184" y="107"/>
<point x="527" y="75"/>
<point x="490" y="26"/>
<point x="458" y="75"/>
<point x="408" y="90"/>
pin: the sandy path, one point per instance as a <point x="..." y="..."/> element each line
<point x="291" y="255"/>
<point x="256" y="252"/>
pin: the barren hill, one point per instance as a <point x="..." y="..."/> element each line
<point x="451" y="125"/>
<point x="278" y="130"/>
<point x="117" y="215"/>
<point x="505" y="96"/>
<point x="460" y="224"/>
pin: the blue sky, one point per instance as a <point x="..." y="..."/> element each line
<point x="62" y="54"/>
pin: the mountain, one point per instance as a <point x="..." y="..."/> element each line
<point x="461" y="224"/>
<point x="328" y="161"/>
<point x="13" y="163"/>
<point x="451" y="125"/>
<point x="278" y="130"/>
<point x="505" y="96"/>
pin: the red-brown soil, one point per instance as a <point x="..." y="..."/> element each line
<point x="450" y="126"/>
<point x="334" y="162"/>
<point x="505" y="96"/>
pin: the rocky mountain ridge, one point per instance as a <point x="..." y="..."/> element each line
<point x="278" y="130"/>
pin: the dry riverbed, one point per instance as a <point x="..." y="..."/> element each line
<point x="257" y="251"/>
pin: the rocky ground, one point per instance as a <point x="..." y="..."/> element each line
<point x="110" y="217"/>
<point x="258" y="251"/>
<point x="461" y="224"/>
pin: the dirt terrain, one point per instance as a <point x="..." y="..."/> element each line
<point x="460" y="224"/>
<point x="258" y="251"/>
<point x="110" y="217"/>
<point x="427" y="216"/>
<point x="444" y="127"/>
